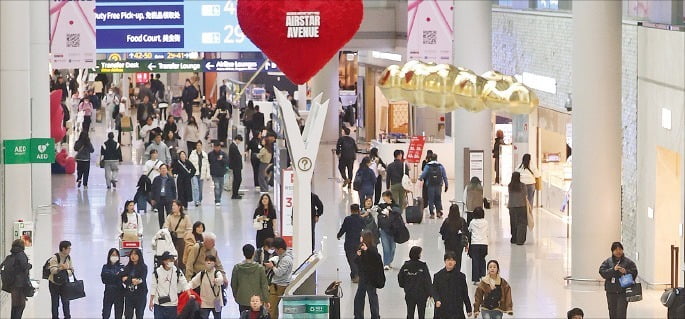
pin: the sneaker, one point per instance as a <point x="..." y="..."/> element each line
<point x="85" y="186"/>
<point x="114" y="184"/>
<point x="109" y="187"/>
<point x="197" y="204"/>
<point x="217" y="204"/>
<point x="432" y="216"/>
<point x="155" y="210"/>
<point x="78" y="184"/>
<point x="237" y="197"/>
<point x="344" y="183"/>
<point x="475" y="283"/>
<point x="386" y="267"/>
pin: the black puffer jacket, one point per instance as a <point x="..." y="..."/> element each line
<point x="611" y="276"/>
<point x="19" y="264"/>
<point x="449" y="288"/>
<point x="371" y="267"/>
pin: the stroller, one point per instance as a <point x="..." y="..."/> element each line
<point x="162" y="242"/>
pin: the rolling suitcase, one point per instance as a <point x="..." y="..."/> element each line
<point x="415" y="211"/>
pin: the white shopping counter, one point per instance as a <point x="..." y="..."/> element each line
<point x="444" y="150"/>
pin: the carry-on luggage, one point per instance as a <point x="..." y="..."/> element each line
<point x="415" y="211"/>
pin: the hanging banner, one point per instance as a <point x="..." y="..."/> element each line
<point x="415" y="149"/>
<point x="72" y="34"/>
<point x="430" y="30"/>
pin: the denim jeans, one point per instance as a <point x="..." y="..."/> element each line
<point x="218" y="188"/>
<point x="388" y="243"/>
<point x="434" y="198"/>
<point x="196" y="183"/>
<point x="364" y="289"/>
<point x="141" y="202"/>
<point x="162" y="312"/>
<point x="491" y="314"/>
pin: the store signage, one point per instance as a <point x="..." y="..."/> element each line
<point x="183" y="26"/>
<point x="72" y="34"/>
<point x="157" y="66"/>
<point x="302" y="24"/>
<point x="415" y="150"/>
<point x="33" y="150"/>
<point x="234" y="65"/>
<point x="476" y="159"/>
<point x="430" y="30"/>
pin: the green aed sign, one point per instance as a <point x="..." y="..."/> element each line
<point x="24" y="151"/>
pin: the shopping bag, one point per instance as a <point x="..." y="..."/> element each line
<point x="98" y="115"/>
<point x="126" y="124"/>
<point x="73" y="290"/>
<point x="626" y="280"/>
<point x="430" y="308"/>
<point x="634" y="292"/>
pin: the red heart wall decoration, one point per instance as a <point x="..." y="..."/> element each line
<point x="304" y="53"/>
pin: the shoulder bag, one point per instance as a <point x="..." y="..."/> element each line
<point x="73" y="289"/>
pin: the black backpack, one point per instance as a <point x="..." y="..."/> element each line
<point x="348" y="148"/>
<point x="8" y="273"/>
<point x="434" y="175"/>
<point x="357" y="183"/>
<point x="46" y="270"/>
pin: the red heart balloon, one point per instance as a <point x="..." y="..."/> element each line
<point x="300" y="58"/>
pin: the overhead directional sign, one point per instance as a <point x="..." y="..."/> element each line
<point x="176" y="25"/>
<point x="156" y="66"/>
<point x="236" y="65"/>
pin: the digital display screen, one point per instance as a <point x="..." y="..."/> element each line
<point x="172" y="25"/>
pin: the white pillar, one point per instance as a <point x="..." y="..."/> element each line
<point x="472" y="49"/>
<point x="326" y="82"/>
<point x="15" y="108"/>
<point x="596" y="134"/>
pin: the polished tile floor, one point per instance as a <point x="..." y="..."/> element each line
<point x="88" y="218"/>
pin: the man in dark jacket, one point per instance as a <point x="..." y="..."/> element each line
<point x="612" y="270"/>
<point x="395" y="172"/>
<point x="434" y="176"/>
<point x="235" y="163"/>
<point x="450" y="291"/>
<point x="145" y="110"/>
<point x="257" y="119"/>
<point x="17" y="264"/>
<point x="352" y="229"/>
<point x="317" y="211"/>
<point x="218" y="161"/>
<point x="163" y="192"/>
<point x="111" y="154"/>
<point x="187" y="96"/>
<point x="415" y="278"/>
<point x="346" y="149"/>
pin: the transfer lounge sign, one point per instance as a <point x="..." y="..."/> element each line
<point x="158" y="66"/>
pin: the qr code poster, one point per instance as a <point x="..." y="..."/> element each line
<point x="72" y="34"/>
<point x="429" y="31"/>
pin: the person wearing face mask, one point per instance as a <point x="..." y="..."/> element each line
<point x="114" y="290"/>
<point x="167" y="283"/>
<point x="248" y="279"/>
<point x="111" y="102"/>
<point x="135" y="280"/>
<point x="235" y="163"/>
<point x="209" y="281"/>
<point x="267" y="250"/>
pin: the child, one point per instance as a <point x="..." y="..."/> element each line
<point x="257" y="310"/>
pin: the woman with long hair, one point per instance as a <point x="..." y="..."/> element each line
<point x="193" y="237"/>
<point x="493" y="295"/>
<point x="130" y="221"/>
<point x="191" y="134"/>
<point x="134" y="278"/>
<point x="528" y="176"/>
<point x="518" y="210"/>
<point x="265" y="217"/>
<point x="265" y="157"/>
<point x="83" y="148"/>
<point x="114" y="291"/>
<point x="369" y="214"/>
<point x="184" y="170"/>
<point x="478" y="249"/>
<point x="379" y="168"/>
<point x="453" y="230"/>
<point x="178" y="224"/>
<point x="371" y="276"/>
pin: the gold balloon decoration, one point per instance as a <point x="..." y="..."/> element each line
<point x="446" y="88"/>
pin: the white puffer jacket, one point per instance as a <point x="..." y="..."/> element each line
<point x="204" y="173"/>
<point x="162" y="242"/>
<point x="480" y="232"/>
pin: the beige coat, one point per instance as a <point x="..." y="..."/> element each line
<point x="196" y="260"/>
<point x="189" y="239"/>
<point x="55" y="266"/>
<point x="185" y="226"/>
